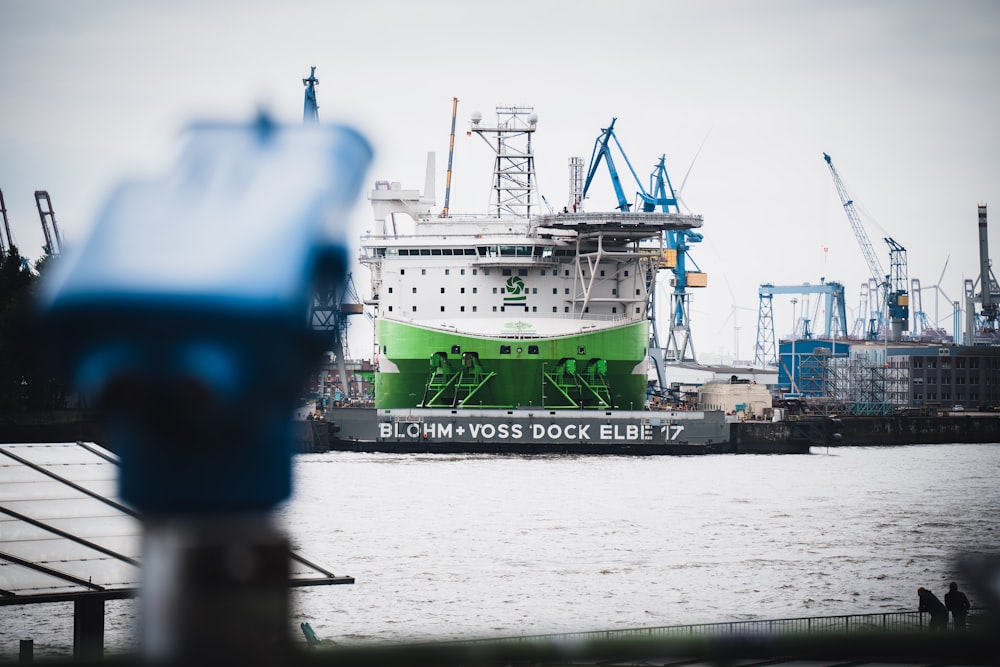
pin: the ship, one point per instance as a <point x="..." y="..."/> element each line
<point x="516" y="307"/>
<point x="522" y="325"/>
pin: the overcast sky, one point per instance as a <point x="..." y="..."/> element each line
<point x="902" y="94"/>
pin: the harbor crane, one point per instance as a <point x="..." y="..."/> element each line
<point x="332" y="304"/>
<point x="893" y="286"/>
<point x="310" y="108"/>
<point x="6" y="242"/>
<point x="53" y="240"/>
<point x="983" y="327"/>
<point x="834" y="308"/>
<point x="660" y="195"/>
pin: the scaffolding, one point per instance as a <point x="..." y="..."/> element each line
<point x="865" y="384"/>
<point x="814" y="372"/>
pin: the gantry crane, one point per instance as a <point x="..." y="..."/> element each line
<point x="53" y="240"/>
<point x="835" y="316"/>
<point x="893" y="286"/>
<point x="680" y="346"/>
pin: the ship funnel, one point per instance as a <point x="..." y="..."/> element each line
<point x="428" y="197"/>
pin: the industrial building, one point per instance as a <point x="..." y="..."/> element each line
<point x="876" y="377"/>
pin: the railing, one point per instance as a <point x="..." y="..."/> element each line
<point x="887" y="622"/>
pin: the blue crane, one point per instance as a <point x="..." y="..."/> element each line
<point x="661" y="195"/>
<point x="834" y="308"/>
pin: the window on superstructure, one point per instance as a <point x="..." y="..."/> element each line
<point x="555" y="290"/>
<point x="461" y="290"/>
<point x="462" y="308"/>
<point x="555" y="309"/>
<point x="534" y="290"/>
<point x="602" y="273"/>
<point x="494" y="309"/>
<point x="494" y="290"/>
<point x="543" y="272"/>
<point x="447" y="272"/>
<point x="390" y="309"/>
<point x="461" y="271"/>
<point x="614" y="291"/>
<point x="475" y="290"/>
<point x="486" y="272"/>
<point x="402" y="272"/>
<point x="423" y="272"/>
<point x="390" y="290"/>
<point x="414" y="309"/>
<point x="534" y="309"/>
<point x="637" y="310"/>
<point x="565" y="309"/>
<point x="442" y="290"/>
<point x="425" y="251"/>
<point x="414" y="290"/>
<point x="567" y="290"/>
<point x="637" y="292"/>
<point x="442" y="309"/>
<point x="475" y="271"/>
<point x="522" y="272"/>
<point x="475" y="308"/>
<point x="626" y="273"/>
<point x="506" y="272"/>
<point x="446" y="251"/>
<point x="435" y="251"/>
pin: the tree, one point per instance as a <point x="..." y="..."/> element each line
<point x="25" y="380"/>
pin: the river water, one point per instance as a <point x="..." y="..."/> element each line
<point x="469" y="546"/>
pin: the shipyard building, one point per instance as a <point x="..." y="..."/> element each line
<point x="878" y="377"/>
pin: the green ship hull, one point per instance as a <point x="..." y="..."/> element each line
<point x="434" y="368"/>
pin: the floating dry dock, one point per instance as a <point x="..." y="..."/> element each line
<point x="533" y="431"/>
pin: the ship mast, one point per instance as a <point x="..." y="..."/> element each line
<point x="514" y="188"/>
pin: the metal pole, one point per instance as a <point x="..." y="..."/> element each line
<point x="795" y="390"/>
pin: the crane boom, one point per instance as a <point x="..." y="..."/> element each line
<point x="877" y="272"/>
<point x="9" y="245"/>
<point x="603" y="151"/>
